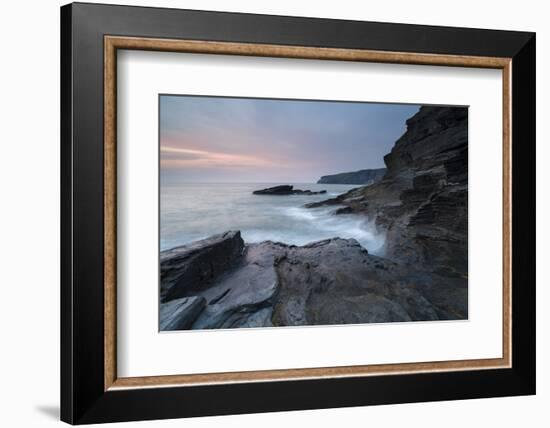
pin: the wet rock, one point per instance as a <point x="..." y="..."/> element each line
<point x="332" y="201"/>
<point x="286" y="190"/>
<point x="246" y="291"/>
<point x="343" y="210"/>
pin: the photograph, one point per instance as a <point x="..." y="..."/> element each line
<point x="277" y="209"/>
<point x="290" y="212"/>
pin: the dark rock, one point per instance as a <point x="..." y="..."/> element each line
<point x="334" y="281"/>
<point x="343" y="210"/>
<point x="337" y="282"/>
<point x="422" y="200"/>
<point x="188" y="269"/>
<point x="247" y="290"/>
<point x="277" y="190"/>
<point x="364" y="176"/>
<point x="179" y="314"/>
<point x="332" y="201"/>
<point x="286" y="190"/>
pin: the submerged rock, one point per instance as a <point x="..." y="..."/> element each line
<point x="286" y="189"/>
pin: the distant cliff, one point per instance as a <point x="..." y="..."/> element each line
<point x="364" y="176"/>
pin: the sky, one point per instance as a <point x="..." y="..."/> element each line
<point x="233" y="140"/>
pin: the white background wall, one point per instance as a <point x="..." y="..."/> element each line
<point x="29" y="214"/>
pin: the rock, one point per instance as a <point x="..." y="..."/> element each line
<point x="179" y="314"/>
<point x="277" y="190"/>
<point x="422" y="201"/>
<point x="241" y="297"/>
<point x="286" y="190"/>
<point x="188" y="269"/>
<point x="332" y="201"/>
<point x="261" y="318"/>
<point x="334" y="281"/>
<point x="337" y="282"/>
<point x="364" y="176"/>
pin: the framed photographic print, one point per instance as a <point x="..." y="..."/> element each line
<point x="265" y="213"/>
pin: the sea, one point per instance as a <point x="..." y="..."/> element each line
<point x="193" y="211"/>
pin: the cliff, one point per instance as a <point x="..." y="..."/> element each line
<point x="422" y="201"/>
<point x="364" y="176"/>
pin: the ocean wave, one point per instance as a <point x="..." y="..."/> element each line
<point x="211" y="209"/>
<point x="321" y="223"/>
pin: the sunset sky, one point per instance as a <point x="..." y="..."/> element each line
<point x="213" y="139"/>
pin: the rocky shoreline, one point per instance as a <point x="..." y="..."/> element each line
<point x="334" y="281"/>
<point x="420" y="203"/>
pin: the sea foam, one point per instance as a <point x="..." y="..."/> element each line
<point x="194" y="211"/>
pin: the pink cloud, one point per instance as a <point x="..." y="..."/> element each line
<point x="175" y="157"/>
